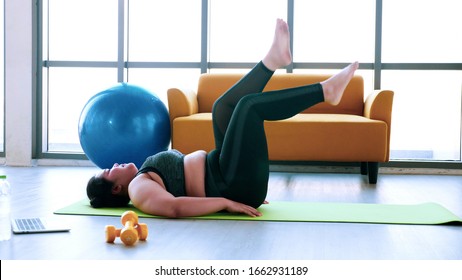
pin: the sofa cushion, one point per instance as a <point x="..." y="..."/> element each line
<point x="327" y="137"/>
<point x="193" y="133"/>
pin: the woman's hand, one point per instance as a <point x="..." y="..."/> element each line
<point x="236" y="207"/>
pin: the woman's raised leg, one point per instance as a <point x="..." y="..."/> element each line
<point x="240" y="164"/>
<point x="243" y="160"/>
<point x="253" y="82"/>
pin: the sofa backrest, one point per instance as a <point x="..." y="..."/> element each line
<point x="212" y="86"/>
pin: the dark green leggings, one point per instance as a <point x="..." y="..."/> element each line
<point x="238" y="169"/>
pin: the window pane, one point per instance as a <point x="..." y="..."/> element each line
<point x="242" y="30"/>
<point x="83" y="30"/>
<point x="426" y="115"/>
<point x="323" y="33"/>
<point x="2" y="83"/>
<point x="158" y="81"/>
<point x="165" y="30"/>
<point x="422" y="31"/>
<point x="69" y="90"/>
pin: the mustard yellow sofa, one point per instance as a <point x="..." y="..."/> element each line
<point x="357" y="130"/>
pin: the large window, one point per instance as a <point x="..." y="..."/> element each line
<point x="411" y="47"/>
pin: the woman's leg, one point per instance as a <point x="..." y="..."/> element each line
<point x="253" y="82"/>
<point x="238" y="169"/>
<point x="223" y="108"/>
<point x="243" y="159"/>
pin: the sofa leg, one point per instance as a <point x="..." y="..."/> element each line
<point x="363" y="168"/>
<point x="373" y="170"/>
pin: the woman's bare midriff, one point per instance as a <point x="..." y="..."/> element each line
<point x="194" y="173"/>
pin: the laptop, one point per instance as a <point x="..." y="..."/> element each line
<point x="37" y="225"/>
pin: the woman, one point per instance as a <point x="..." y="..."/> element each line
<point x="234" y="176"/>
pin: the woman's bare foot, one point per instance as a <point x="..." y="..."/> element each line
<point x="334" y="86"/>
<point x="279" y="54"/>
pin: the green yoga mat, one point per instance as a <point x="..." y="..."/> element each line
<point x="283" y="211"/>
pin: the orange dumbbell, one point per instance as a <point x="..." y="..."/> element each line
<point x="132" y="231"/>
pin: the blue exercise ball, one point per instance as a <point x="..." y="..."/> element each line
<point x="123" y="124"/>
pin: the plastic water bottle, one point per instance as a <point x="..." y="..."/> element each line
<point x="5" y="223"/>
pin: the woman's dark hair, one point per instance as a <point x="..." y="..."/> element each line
<point x="99" y="191"/>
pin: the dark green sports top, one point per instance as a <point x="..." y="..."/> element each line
<point x="169" y="165"/>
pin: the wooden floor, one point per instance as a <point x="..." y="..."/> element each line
<point x="41" y="190"/>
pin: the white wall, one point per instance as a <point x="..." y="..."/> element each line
<point x="18" y="82"/>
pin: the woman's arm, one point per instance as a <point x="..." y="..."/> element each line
<point x="199" y="206"/>
<point x="151" y="198"/>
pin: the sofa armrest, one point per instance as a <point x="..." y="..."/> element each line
<point x="378" y="106"/>
<point x="181" y="102"/>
